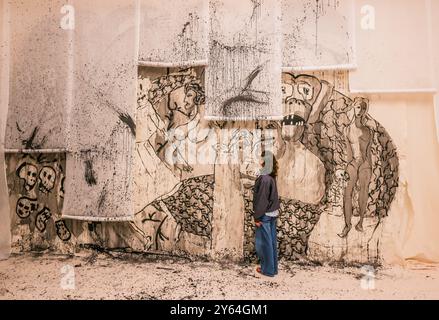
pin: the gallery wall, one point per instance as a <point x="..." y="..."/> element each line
<point x="113" y="166"/>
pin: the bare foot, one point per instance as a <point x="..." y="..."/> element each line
<point x="345" y="231"/>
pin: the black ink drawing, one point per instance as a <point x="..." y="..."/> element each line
<point x="25" y="207"/>
<point x="28" y="173"/>
<point x="358" y="156"/>
<point x="177" y="100"/>
<point x="40" y="205"/>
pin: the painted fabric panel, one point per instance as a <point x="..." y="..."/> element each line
<point x="243" y="77"/>
<point x="101" y="121"/>
<point x="400" y="53"/>
<point x="38" y="76"/>
<point x="318" y="34"/>
<point x="173" y="35"/>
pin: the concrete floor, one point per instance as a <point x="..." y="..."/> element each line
<point x="94" y="275"/>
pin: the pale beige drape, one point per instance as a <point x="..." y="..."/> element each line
<point x="5" y="222"/>
<point x="102" y="117"/>
<point x="75" y="90"/>
<point x="243" y="80"/>
<point x="171" y="36"/>
<point x="393" y="46"/>
<point x="318" y="34"/>
<point x="411" y="228"/>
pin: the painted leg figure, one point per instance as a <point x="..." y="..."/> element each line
<point x="364" y="176"/>
<point x="352" y="172"/>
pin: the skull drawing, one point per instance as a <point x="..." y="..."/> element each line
<point x="25" y="206"/>
<point x="28" y="172"/>
<point x="46" y="179"/>
<point x="42" y="217"/>
<point x="62" y="231"/>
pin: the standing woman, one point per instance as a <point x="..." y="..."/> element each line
<point x="266" y="209"/>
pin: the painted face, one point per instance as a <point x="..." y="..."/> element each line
<point x="360" y="107"/>
<point x="189" y="100"/>
<point x="271" y="137"/>
<point x="47" y="179"/>
<point x="28" y="172"/>
<point x="299" y="95"/>
<point x="25" y="207"/>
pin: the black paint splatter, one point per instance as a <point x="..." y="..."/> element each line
<point x="128" y="120"/>
<point x="102" y="196"/>
<point x="246" y="94"/>
<point x="30" y="143"/>
<point x="18" y="127"/>
<point x="89" y="173"/>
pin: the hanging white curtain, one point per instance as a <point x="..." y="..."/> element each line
<point x="5" y="220"/>
<point x="394" y="52"/>
<point x="318" y="34"/>
<point x="243" y="80"/>
<point x="38" y="80"/>
<point x="171" y="36"/>
<point x="101" y="120"/>
<point x="434" y="12"/>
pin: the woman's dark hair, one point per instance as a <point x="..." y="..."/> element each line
<point x="270" y="163"/>
<point x="199" y="92"/>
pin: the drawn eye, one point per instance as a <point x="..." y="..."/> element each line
<point x="305" y="90"/>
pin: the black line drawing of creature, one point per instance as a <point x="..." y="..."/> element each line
<point x="190" y="204"/>
<point x="178" y="101"/>
<point x="358" y="156"/>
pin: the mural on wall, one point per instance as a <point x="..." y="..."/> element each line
<point x="334" y="158"/>
<point x="359" y="159"/>
<point x="36" y="188"/>
<point x="171" y="102"/>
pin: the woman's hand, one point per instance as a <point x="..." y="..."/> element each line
<point x="258" y="224"/>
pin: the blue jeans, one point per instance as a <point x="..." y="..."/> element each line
<point x="266" y="245"/>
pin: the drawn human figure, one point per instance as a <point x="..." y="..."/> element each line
<point x="183" y="210"/>
<point x="179" y="120"/>
<point x="359" y="164"/>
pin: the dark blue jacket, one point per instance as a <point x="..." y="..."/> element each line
<point x="265" y="196"/>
